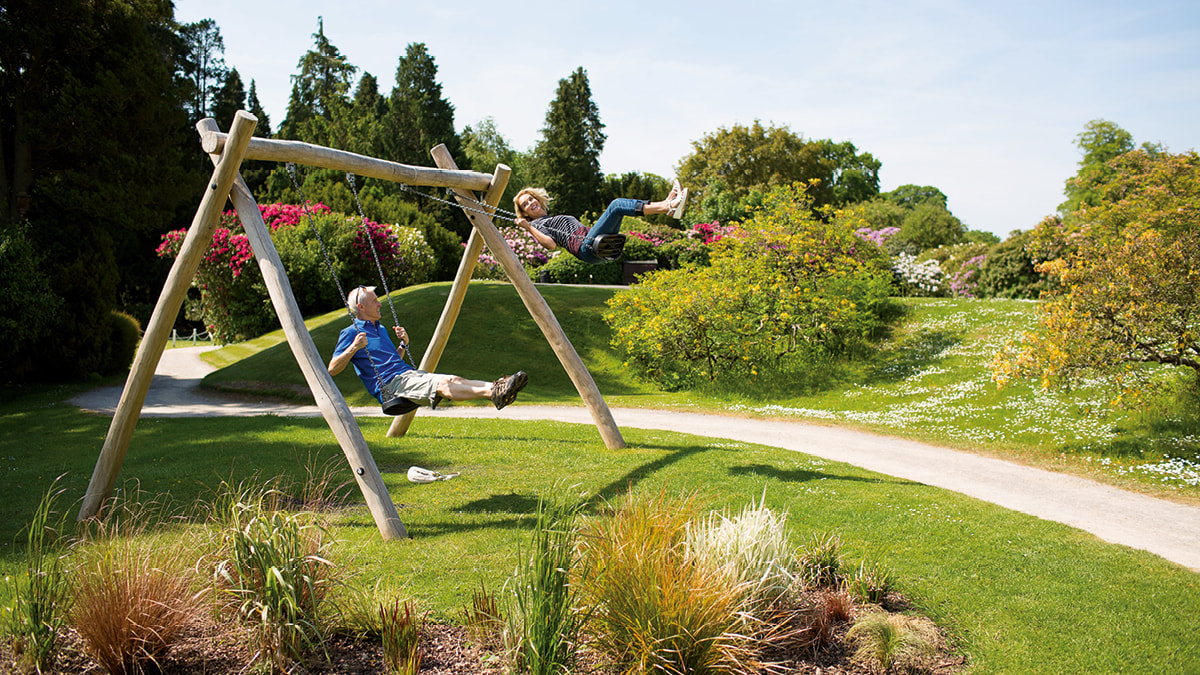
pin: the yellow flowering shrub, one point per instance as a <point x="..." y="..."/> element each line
<point x="1129" y="280"/>
<point x="785" y="288"/>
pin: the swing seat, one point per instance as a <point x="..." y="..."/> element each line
<point x="608" y="247"/>
<point x="398" y="405"/>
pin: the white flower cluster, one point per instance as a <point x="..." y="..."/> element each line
<point x="923" y="276"/>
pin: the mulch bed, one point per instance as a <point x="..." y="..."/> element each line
<point x="209" y="649"/>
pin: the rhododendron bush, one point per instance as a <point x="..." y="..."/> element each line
<point x="232" y="298"/>
<point x="785" y="289"/>
<point x="1129" y="275"/>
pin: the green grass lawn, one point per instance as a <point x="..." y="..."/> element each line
<point x="1016" y="593"/>
<point x="930" y="380"/>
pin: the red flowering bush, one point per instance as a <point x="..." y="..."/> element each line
<point x="710" y="233"/>
<point x="233" y="301"/>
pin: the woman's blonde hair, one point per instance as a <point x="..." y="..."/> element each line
<point x="539" y="194"/>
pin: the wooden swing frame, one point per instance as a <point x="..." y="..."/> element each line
<point x="227" y="152"/>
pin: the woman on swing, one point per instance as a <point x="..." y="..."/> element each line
<point x="366" y="345"/>
<point x="603" y="241"/>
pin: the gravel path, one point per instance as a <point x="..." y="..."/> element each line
<point x="1162" y="527"/>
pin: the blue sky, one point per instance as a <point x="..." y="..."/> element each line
<point x="980" y="99"/>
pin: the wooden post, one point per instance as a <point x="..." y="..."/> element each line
<point x="195" y="244"/>
<point x="441" y="334"/>
<point x="541" y="314"/>
<point x="328" y="398"/>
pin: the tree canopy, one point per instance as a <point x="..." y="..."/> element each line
<point x="92" y="126"/>
<point x="1130" y="276"/>
<point x="1101" y="141"/>
<point x="744" y="161"/>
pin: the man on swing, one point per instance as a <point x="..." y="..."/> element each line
<point x="366" y="345"/>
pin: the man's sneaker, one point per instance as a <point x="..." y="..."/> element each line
<point x="505" y="389"/>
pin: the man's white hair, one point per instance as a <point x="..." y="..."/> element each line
<point x="356" y="297"/>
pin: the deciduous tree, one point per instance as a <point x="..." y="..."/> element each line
<point x="1101" y="142"/>
<point x="745" y="161"/>
<point x="1130" y="280"/>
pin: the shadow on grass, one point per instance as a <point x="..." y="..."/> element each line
<point x="806" y="475"/>
<point x="911" y="355"/>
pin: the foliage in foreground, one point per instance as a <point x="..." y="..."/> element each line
<point x="546" y="626"/>
<point x="135" y="592"/>
<point x="276" y="570"/>
<point x="42" y="598"/>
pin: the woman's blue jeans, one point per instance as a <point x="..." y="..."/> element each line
<point x="609" y="223"/>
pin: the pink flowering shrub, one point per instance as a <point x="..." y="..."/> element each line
<point x="233" y="302"/>
<point x="710" y="233"/>
<point x="878" y="237"/>
<point x="282" y="215"/>
<point x="657" y="235"/>
<point x="963" y="282"/>
<point x="529" y="252"/>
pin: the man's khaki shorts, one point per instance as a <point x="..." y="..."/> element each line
<point x="417" y="386"/>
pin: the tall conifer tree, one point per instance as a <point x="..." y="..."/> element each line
<point x="567" y="159"/>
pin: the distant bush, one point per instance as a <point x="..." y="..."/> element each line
<point x="420" y="262"/>
<point x="232" y="301"/>
<point x="682" y="253"/>
<point x="1011" y="270"/>
<point x="123" y="334"/>
<point x="565" y="268"/>
<point x="916" y="277"/>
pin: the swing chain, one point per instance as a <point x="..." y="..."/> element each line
<point x="291" y="169"/>
<point x="498" y="212"/>
<point x="378" y="266"/>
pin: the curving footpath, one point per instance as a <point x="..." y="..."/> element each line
<point x="1168" y="529"/>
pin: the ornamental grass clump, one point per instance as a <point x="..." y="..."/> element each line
<point x="870" y="582"/>
<point x="399" y="629"/>
<point x="657" y="607"/>
<point x="893" y="642"/>
<point x="42" y="598"/>
<point x="547" y="622"/>
<point x="135" y="594"/>
<point x="752" y="547"/>
<point x="820" y="563"/>
<point x="275" y="569"/>
<point x="484" y="619"/>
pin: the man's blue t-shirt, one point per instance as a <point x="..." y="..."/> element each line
<point x="388" y="361"/>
